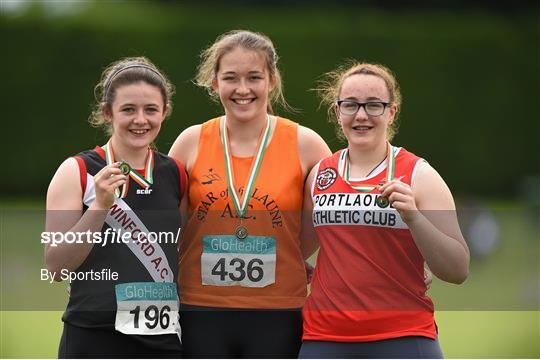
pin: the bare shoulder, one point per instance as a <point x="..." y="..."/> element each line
<point x="311" y="177"/>
<point x="311" y="148"/>
<point x="308" y="136"/>
<point x="65" y="192"/>
<point x="187" y="138"/>
<point x="430" y="190"/>
<point x="426" y="176"/>
<point x="184" y="148"/>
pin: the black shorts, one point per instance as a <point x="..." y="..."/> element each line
<point x="417" y="347"/>
<point x="235" y="333"/>
<point x="78" y="342"/>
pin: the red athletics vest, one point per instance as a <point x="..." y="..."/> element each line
<point x="369" y="280"/>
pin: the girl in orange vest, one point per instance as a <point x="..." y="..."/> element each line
<point x="241" y="269"/>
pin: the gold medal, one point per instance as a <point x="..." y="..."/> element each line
<point x="124" y="168"/>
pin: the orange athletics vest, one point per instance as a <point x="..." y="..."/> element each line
<point x="265" y="270"/>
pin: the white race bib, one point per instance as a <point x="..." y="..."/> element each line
<point x="228" y="261"/>
<point x="147" y="308"/>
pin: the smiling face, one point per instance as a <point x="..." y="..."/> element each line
<point x="243" y="84"/>
<point x="136" y="114"/>
<point x="361" y="128"/>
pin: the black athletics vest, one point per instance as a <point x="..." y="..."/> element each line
<point x="92" y="303"/>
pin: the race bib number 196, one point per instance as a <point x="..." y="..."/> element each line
<point x="147" y="308"/>
<point x="228" y="261"/>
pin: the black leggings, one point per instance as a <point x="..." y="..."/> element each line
<point x="233" y="333"/>
<point x="87" y="343"/>
<point x="407" y="347"/>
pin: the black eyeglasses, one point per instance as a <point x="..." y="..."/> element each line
<point x="372" y="108"/>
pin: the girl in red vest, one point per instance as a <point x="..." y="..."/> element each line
<point x="379" y="212"/>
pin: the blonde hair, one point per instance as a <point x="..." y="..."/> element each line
<point x="125" y="72"/>
<point x="225" y="43"/>
<point x="329" y="89"/>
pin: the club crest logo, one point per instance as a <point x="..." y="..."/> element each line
<point x="326" y="178"/>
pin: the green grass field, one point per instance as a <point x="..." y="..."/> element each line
<point x="493" y="315"/>
<point x="463" y="334"/>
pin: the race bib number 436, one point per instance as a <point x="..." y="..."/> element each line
<point x="228" y="261"/>
<point x="147" y="308"/>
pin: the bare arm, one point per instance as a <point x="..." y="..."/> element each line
<point x="434" y="228"/>
<point x="312" y="149"/>
<point x="184" y="206"/>
<point x="64" y="213"/>
<point x="308" y="238"/>
<point x="184" y="212"/>
<point x="185" y="150"/>
<point x="185" y="146"/>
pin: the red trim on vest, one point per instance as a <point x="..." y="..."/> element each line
<point x="82" y="173"/>
<point x="100" y="152"/>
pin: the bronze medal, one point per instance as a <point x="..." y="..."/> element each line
<point x="124" y="168"/>
<point x="241" y="232"/>
<point x="382" y="202"/>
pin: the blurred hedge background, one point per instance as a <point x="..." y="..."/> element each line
<point x="470" y="75"/>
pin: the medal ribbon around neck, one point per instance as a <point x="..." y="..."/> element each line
<point x="356" y="185"/>
<point x="255" y="166"/>
<point x="145" y="182"/>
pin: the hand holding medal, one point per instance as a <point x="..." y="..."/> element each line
<point x="106" y="182"/>
<point x="126" y="170"/>
<point x="401" y="196"/>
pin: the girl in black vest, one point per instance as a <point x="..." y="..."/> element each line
<point x="120" y="202"/>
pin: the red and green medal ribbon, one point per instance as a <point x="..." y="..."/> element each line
<point x="359" y="185"/>
<point x="144" y="181"/>
<point x="241" y="205"/>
